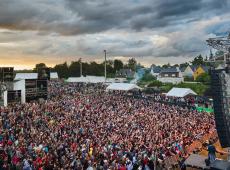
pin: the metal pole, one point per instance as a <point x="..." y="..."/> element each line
<point x="228" y="154"/>
<point x="225" y="62"/>
<point x="80" y="68"/>
<point x="105" y="64"/>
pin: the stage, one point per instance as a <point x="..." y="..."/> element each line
<point x="198" y="161"/>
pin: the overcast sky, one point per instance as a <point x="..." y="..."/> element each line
<point x="152" y="31"/>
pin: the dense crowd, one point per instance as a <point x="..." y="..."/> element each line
<point x="188" y="101"/>
<point x="83" y="127"/>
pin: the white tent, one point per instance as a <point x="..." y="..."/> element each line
<point x="54" y="75"/>
<point x="23" y="76"/>
<point x="122" y="86"/>
<point x="180" y="92"/>
<point x="77" y="80"/>
<point x="95" y="79"/>
<point x="87" y="79"/>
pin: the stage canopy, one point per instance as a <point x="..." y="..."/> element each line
<point x="180" y="92"/>
<point x="122" y="86"/>
<point x="23" y="76"/>
<point x="87" y="79"/>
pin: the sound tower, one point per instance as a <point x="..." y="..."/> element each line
<point x="221" y="103"/>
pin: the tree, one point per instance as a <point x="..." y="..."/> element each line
<point x="186" y="64"/>
<point x="155" y="83"/>
<point x="118" y="64"/>
<point x="74" y="68"/>
<point x="204" y="78"/>
<point x="62" y="70"/>
<point x="138" y="66"/>
<point x="132" y="63"/>
<point x="148" y="77"/>
<point x="166" y="65"/>
<point x="198" y="60"/>
<point x="40" y="65"/>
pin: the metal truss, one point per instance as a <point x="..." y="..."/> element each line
<point x="220" y="43"/>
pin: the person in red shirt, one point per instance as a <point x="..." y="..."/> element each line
<point x="123" y="167"/>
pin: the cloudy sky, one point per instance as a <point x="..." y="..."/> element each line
<point x="152" y="31"/>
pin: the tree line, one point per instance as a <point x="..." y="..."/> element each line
<point x="65" y="70"/>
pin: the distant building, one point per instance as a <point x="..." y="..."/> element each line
<point x="125" y="73"/>
<point x="187" y="71"/>
<point x="200" y="70"/>
<point x="155" y="70"/>
<point x="171" y="75"/>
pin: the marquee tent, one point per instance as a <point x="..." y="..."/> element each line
<point x="77" y="80"/>
<point x="23" y="76"/>
<point x="180" y="92"/>
<point x="122" y="86"/>
<point x="54" y="75"/>
<point x="87" y="79"/>
<point x="95" y="79"/>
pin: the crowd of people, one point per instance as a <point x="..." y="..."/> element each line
<point x="83" y="127"/>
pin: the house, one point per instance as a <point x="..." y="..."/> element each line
<point x="200" y="70"/>
<point x="182" y="69"/>
<point x="155" y="70"/>
<point x="187" y="71"/>
<point x="125" y="73"/>
<point x="171" y="75"/>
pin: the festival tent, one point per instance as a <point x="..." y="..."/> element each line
<point x="87" y="79"/>
<point x="77" y="80"/>
<point x="54" y="75"/>
<point x="180" y="92"/>
<point x="95" y="79"/>
<point x="122" y="86"/>
<point x="24" y="76"/>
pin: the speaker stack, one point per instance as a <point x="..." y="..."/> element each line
<point x="220" y="85"/>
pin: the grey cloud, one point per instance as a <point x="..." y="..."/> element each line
<point x="86" y="27"/>
<point x="74" y="17"/>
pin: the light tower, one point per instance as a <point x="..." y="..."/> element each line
<point x="80" y="60"/>
<point x="105" y="66"/>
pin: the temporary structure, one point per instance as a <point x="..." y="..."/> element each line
<point x="24" y="76"/>
<point x="122" y="86"/>
<point x="77" y="80"/>
<point x="180" y="92"/>
<point x="54" y="75"/>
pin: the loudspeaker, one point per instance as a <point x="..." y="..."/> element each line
<point x="221" y="106"/>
